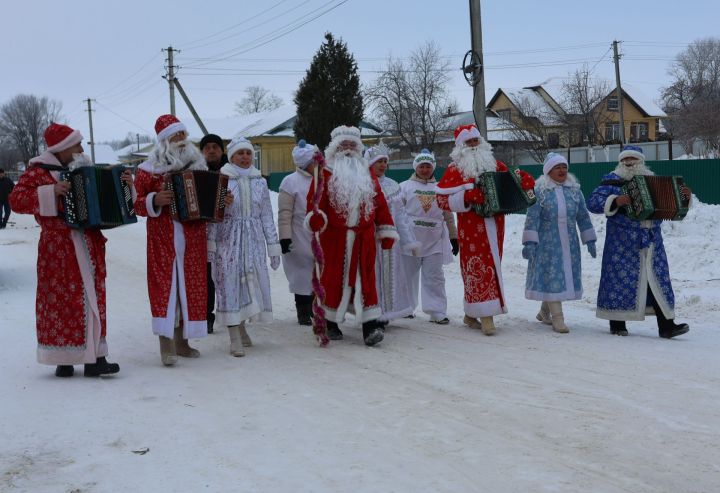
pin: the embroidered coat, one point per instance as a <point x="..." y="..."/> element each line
<point x="298" y="264"/>
<point x="239" y="267"/>
<point x="349" y="245"/>
<point x="70" y="299"/>
<point x="554" y="274"/>
<point x="633" y="259"/>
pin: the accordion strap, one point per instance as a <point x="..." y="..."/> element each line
<point x="50" y="167"/>
<point x="615" y="183"/>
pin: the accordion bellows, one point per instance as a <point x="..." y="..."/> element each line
<point x="503" y="193"/>
<point x="98" y="198"/>
<point x="656" y="197"/>
<point x="197" y="195"/>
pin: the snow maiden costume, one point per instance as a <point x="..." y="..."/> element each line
<point x="551" y="242"/>
<point x="635" y="278"/>
<point x="240" y="246"/>
<point x="70" y="301"/>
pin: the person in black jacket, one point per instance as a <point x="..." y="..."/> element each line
<point x="6" y="186"/>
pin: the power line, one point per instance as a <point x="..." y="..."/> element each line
<point x="104" y="93"/>
<point x="125" y="119"/>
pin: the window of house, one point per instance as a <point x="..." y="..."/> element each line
<point x="504" y="114"/>
<point x="612" y="131"/>
<point x="553" y="140"/>
<point x="613" y="104"/>
<point x="639" y="132"/>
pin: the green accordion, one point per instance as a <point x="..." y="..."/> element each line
<point x="503" y="193"/>
<point x="656" y="197"/>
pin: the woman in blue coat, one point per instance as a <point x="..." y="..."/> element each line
<point x="551" y="241"/>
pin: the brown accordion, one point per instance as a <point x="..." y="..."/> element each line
<point x="197" y="195"/>
<point x="656" y="197"/>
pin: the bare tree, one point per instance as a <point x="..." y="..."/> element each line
<point x="411" y="99"/>
<point x="257" y="99"/>
<point x="23" y="120"/>
<point x="582" y="118"/>
<point x="692" y="101"/>
<point x="533" y="125"/>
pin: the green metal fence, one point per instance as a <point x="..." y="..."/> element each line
<point x="701" y="175"/>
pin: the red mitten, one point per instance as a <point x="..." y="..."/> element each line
<point x="387" y="243"/>
<point x="316" y="222"/>
<point x="527" y="182"/>
<point x="474" y="196"/>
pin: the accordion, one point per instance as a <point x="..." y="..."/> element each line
<point x="98" y="198"/>
<point x="656" y="197"/>
<point x="503" y="193"/>
<point x="197" y="195"/>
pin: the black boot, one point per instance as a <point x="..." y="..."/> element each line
<point x="303" y="305"/>
<point x="64" y="371"/>
<point x="101" y="367"/>
<point x="667" y="328"/>
<point x="333" y="331"/>
<point x="372" y="333"/>
<point x="617" y="327"/>
<point x="210" y="322"/>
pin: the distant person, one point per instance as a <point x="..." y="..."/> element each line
<point x="213" y="150"/>
<point x="70" y="303"/>
<point x="551" y="243"/>
<point x="6" y="186"/>
<point x="635" y="277"/>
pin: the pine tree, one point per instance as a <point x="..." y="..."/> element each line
<point x="329" y="94"/>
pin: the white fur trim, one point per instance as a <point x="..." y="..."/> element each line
<point x="452" y="190"/>
<point x="465" y="135"/>
<point x="588" y="235"/>
<point x="47" y="200"/>
<point x="211" y="246"/>
<point x="274" y="250"/>
<point x="306" y="222"/>
<point x="608" y="206"/>
<point x="631" y="153"/>
<point x="530" y="236"/>
<point x="552" y="162"/>
<point x="74" y="138"/>
<point x="236" y="145"/>
<point x="387" y="232"/>
<point x="152" y="212"/>
<point x="171" y="130"/>
<point x="457" y="202"/>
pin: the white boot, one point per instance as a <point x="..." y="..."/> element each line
<point x="487" y="325"/>
<point x="558" y="319"/>
<point x="235" y="342"/>
<point x="544" y="314"/>
<point x="168" y="356"/>
<point x="244" y="337"/>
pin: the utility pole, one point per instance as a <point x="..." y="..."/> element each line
<point x="191" y="107"/>
<point x="479" y="82"/>
<point x="92" y="139"/>
<point x="618" y="90"/>
<point x="170" y="76"/>
<point x="137" y="136"/>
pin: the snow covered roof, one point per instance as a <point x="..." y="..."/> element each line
<point x="104" y="154"/>
<point x="497" y="128"/>
<point x="530" y="103"/>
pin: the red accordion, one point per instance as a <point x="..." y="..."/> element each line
<point x="197" y="195"/>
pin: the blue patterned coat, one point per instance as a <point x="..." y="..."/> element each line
<point x="633" y="259"/>
<point x="554" y="273"/>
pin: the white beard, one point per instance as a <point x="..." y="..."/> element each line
<point x="628" y="172"/>
<point x="474" y="161"/>
<point x="351" y="186"/>
<point x="177" y="156"/>
<point x="79" y="161"/>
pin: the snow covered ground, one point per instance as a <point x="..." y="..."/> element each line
<point x="432" y="408"/>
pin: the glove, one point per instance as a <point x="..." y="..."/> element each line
<point x="275" y="262"/>
<point x="455" y="246"/>
<point x="386" y="243"/>
<point x="474" y="196"/>
<point x="316" y="222"/>
<point x="591" y="249"/>
<point x="529" y="250"/>
<point x="286" y="245"/>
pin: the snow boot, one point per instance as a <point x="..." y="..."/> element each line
<point x="487" y="326"/>
<point x="64" y="371"/>
<point x="372" y="333"/>
<point x="617" y="327"/>
<point x="210" y="323"/>
<point x="544" y="314"/>
<point x="333" y="331"/>
<point x="441" y="320"/>
<point x="235" y="341"/>
<point x="472" y="322"/>
<point x="244" y="337"/>
<point x="101" y="367"/>
<point x="303" y="306"/>
<point x="558" y="319"/>
<point x="669" y="329"/>
<point x="168" y="356"/>
<point x="182" y="348"/>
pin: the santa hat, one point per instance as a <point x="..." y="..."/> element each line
<point x="552" y="160"/>
<point x="466" y="132"/>
<point x="341" y="134"/>
<point x="425" y="156"/>
<point x="238" y="143"/>
<point x="376" y="153"/>
<point x="633" y="152"/>
<point x="168" y="125"/>
<point x="303" y="154"/>
<point x="59" y="137"/>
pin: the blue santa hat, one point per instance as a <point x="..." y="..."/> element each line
<point x="633" y="152"/>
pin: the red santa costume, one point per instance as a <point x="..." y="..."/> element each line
<point x="354" y="214"/>
<point x="70" y="301"/>
<point x="176" y="252"/>
<point x="480" y="238"/>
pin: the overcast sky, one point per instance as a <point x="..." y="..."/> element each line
<point x="111" y="51"/>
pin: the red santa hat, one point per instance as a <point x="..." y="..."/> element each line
<point x="168" y="125"/>
<point x="59" y="137"/>
<point x="466" y="132"/>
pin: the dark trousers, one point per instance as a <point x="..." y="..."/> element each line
<point x="4" y="212"/>
<point x="210" y="294"/>
<point x="662" y="322"/>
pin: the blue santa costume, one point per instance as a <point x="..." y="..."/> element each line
<point x="635" y="278"/>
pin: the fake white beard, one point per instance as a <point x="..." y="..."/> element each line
<point x="79" y="161"/>
<point x="474" y="161"/>
<point x="176" y="156"/>
<point x="351" y="185"/>
<point x="637" y="169"/>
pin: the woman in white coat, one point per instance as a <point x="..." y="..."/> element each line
<point x="239" y="246"/>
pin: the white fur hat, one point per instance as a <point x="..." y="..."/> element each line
<point x="341" y="134"/>
<point x="377" y="152"/>
<point x="425" y="156"/>
<point x="303" y="154"/>
<point x="239" y="142"/>
<point x="552" y="160"/>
